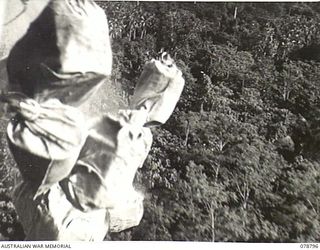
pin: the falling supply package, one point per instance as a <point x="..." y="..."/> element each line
<point x="158" y="89"/>
<point x="77" y="175"/>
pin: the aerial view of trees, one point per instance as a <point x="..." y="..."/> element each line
<point x="239" y="159"/>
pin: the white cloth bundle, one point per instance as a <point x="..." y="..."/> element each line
<point x="104" y="173"/>
<point x="158" y="90"/>
<point x="69" y="38"/>
<point x="50" y="131"/>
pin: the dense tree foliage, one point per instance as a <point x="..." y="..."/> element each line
<point x="239" y="158"/>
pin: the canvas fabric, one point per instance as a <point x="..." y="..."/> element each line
<point x="55" y="218"/>
<point x="158" y="89"/>
<point x="78" y="174"/>
<point x="104" y="173"/>
<point x="69" y="39"/>
<point x="93" y="166"/>
<point x="101" y="180"/>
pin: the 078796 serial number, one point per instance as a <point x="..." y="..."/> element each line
<point x="309" y="245"/>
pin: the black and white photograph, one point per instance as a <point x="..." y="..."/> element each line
<point x="159" y="121"/>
